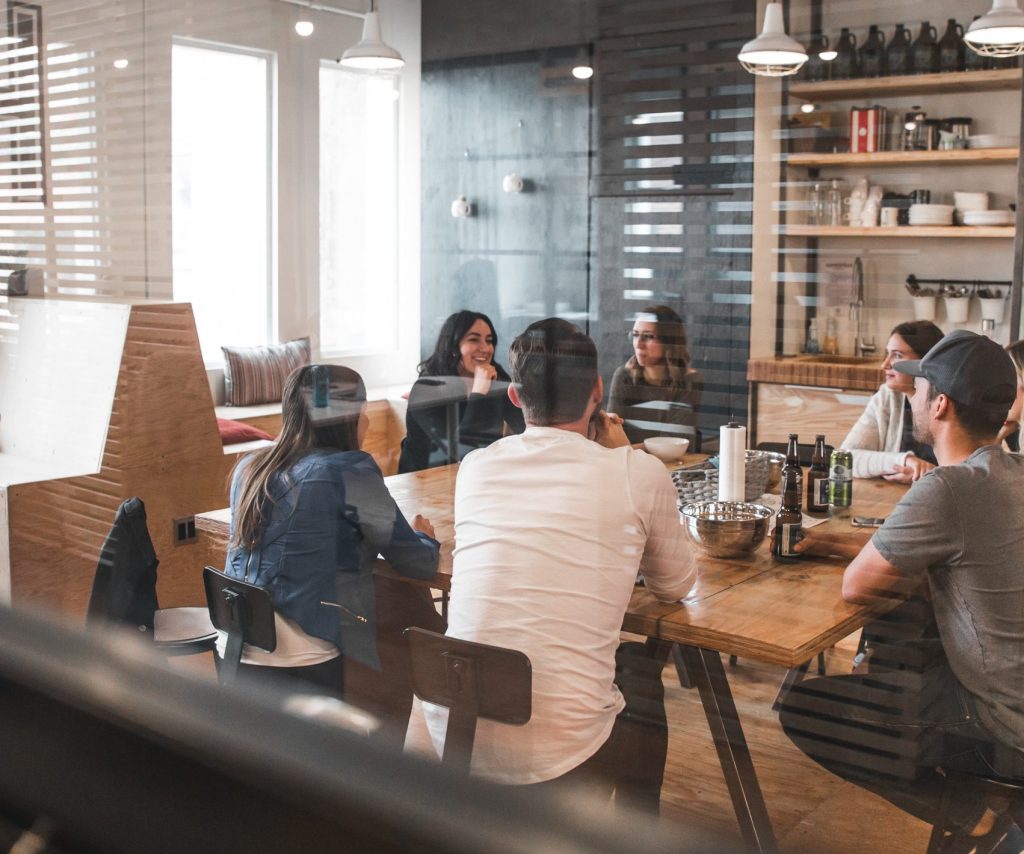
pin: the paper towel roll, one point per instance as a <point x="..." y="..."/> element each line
<point x="732" y="462"/>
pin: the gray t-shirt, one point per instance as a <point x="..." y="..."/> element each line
<point x="964" y="526"/>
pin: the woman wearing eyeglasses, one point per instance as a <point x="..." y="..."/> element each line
<point x="657" y="392"/>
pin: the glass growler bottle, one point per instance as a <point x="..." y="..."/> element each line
<point x="788" y="528"/>
<point x="926" y="50"/>
<point x="975" y="61"/>
<point x="952" y="47"/>
<point x="817" y="478"/>
<point x="899" y="54"/>
<point x="817" y="69"/>
<point x="872" y="53"/>
<point x="845" y="64"/>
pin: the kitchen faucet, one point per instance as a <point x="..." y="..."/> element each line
<point x="860" y="348"/>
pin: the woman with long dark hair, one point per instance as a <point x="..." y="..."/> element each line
<point x="882" y="440"/>
<point x="309" y="515"/>
<point x="657" y="392"/>
<point x="460" y="402"/>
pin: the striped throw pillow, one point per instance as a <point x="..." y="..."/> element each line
<point x="256" y="374"/>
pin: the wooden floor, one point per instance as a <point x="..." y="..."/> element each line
<point x="812" y="810"/>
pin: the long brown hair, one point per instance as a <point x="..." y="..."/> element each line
<point x="672" y="332"/>
<point x="303" y="429"/>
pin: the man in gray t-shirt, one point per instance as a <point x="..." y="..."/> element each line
<point x="957" y="537"/>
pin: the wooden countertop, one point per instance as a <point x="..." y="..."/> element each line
<point x="840" y="372"/>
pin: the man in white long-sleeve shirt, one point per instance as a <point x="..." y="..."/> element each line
<point x="551" y="527"/>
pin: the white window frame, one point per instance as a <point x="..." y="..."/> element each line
<point x="352" y="356"/>
<point x="272" y="297"/>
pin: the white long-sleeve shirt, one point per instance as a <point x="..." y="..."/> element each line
<point x="550" y="529"/>
<point x="876" y="437"/>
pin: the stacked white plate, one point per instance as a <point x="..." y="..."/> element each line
<point x="988" y="218"/>
<point x="993" y="140"/>
<point x="965" y="202"/>
<point x="931" y="214"/>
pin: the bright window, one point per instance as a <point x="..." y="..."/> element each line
<point x="223" y="197"/>
<point x="358" y="212"/>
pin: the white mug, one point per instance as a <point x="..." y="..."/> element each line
<point x="512" y="183"/>
<point x="890" y="217"/>
<point x="461" y="208"/>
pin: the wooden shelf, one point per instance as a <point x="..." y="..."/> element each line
<point x="981" y="231"/>
<point x="904" y="158"/>
<point x="908" y="84"/>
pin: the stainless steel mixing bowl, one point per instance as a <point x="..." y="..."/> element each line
<point x="726" y="528"/>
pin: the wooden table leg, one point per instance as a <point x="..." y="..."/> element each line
<point x="705" y="668"/>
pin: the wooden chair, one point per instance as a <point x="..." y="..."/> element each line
<point x="242" y="610"/>
<point x="124" y="589"/>
<point x="1012" y="790"/>
<point x="472" y="680"/>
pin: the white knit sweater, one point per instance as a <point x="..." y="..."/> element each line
<point x="876" y="437"/>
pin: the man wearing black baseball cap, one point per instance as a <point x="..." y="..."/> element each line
<point x="958" y="536"/>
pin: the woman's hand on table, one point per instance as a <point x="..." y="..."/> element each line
<point x="913" y="468"/>
<point x="422" y="524"/>
<point x="483" y="376"/>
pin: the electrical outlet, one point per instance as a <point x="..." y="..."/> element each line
<point x="184" y="531"/>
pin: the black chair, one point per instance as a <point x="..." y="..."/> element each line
<point x="124" y="589"/>
<point x="244" y="612"/>
<point x="1012" y="790"/>
<point x="472" y="680"/>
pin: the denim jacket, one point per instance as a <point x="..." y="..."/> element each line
<point x="332" y="516"/>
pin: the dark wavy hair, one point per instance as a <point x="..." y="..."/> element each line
<point x="920" y="335"/>
<point x="671" y="330"/>
<point x="444" y="361"/>
<point x="337" y="428"/>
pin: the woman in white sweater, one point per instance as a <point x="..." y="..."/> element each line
<point x="882" y="440"/>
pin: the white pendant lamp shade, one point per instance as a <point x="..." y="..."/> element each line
<point x="371" y="54"/>
<point x="1000" y="32"/>
<point x="773" y="53"/>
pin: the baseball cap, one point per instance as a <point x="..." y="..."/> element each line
<point x="971" y="369"/>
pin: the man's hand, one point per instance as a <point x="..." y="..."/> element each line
<point x="483" y="376"/>
<point x="913" y="468"/>
<point x="827" y="545"/>
<point x="422" y="524"/>
<point x="606" y="429"/>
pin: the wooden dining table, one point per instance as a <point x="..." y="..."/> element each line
<point x="755" y="607"/>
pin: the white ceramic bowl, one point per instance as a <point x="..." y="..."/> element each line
<point x="993" y="140"/>
<point x="668" y="449"/>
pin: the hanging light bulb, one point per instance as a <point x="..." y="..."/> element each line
<point x="371" y="54"/>
<point x="583" y="72"/>
<point x="773" y="53"/>
<point x="998" y="33"/>
<point x="304" y="28"/>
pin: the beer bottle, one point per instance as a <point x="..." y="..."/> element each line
<point x="817" y="478"/>
<point x="788" y="529"/>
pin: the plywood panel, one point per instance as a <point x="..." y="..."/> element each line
<point x="785" y="409"/>
<point x="162" y="445"/>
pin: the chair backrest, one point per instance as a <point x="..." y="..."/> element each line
<point x="124" y="587"/>
<point x="244" y="612"/>
<point x="473" y="680"/>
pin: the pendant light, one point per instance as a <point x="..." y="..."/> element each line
<point x="371" y="54"/>
<point x="1000" y="32"/>
<point x="773" y="53"/>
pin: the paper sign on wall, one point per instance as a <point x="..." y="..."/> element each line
<point x="836" y="283"/>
